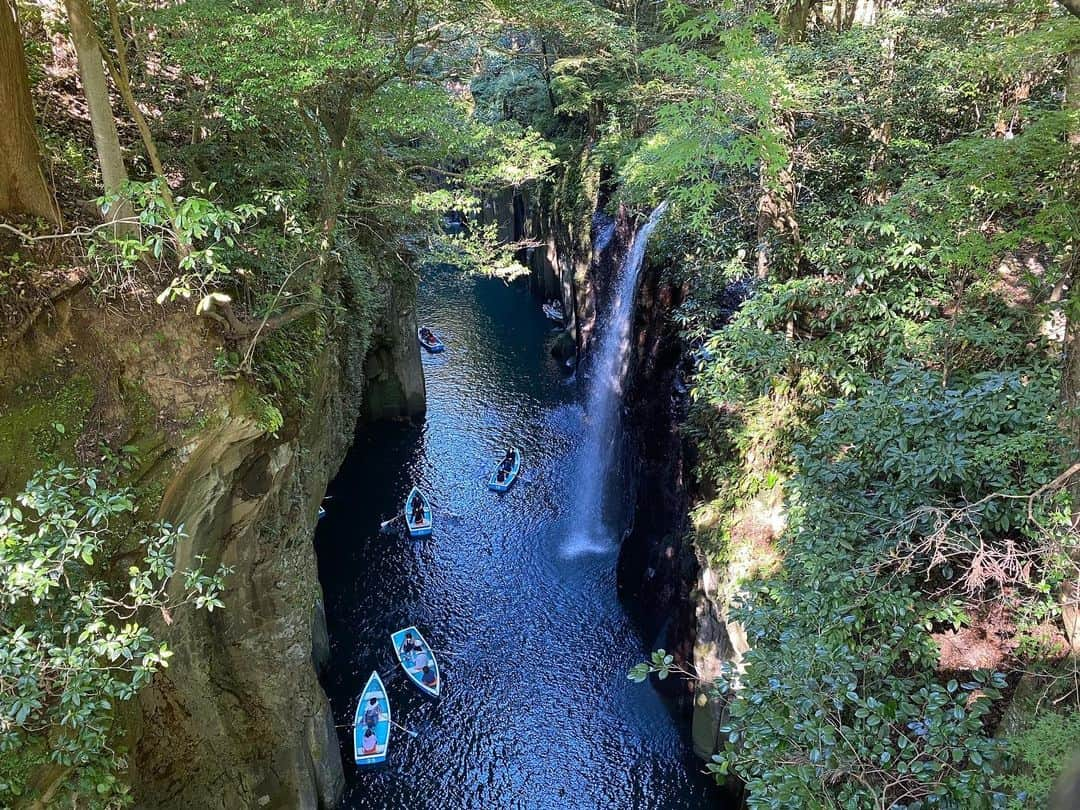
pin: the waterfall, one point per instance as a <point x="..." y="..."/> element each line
<point x="604" y="389"/>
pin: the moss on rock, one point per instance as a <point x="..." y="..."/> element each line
<point x="40" y="424"/>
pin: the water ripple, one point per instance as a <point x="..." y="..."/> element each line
<point x="521" y="609"/>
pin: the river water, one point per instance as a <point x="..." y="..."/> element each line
<point x="532" y="639"/>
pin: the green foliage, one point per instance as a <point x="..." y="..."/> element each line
<point x="479" y="251"/>
<point x="379" y="136"/>
<point x="76" y="642"/>
<point x="1042" y="753"/>
<point x="892" y="368"/>
<point x="720" y="93"/>
<point x="262" y="410"/>
<point x="661" y="663"/>
<point x="192" y="234"/>
<point x="839" y="692"/>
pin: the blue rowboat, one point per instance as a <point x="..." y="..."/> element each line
<point x="422" y="527"/>
<point x="553" y="311"/>
<point x="501" y="485"/>
<point x="431" y="343"/>
<point x="413" y="653"/>
<point x="381" y="727"/>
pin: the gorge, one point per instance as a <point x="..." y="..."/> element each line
<point x="797" y="521"/>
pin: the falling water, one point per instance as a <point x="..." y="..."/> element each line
<point x="604" y="396"/>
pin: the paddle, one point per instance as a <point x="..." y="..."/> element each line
<point x="385" y="523"/>
<point x="441" y="653"/>
<point x="408" y="731"/>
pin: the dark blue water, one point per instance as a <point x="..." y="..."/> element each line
<point x="531" y="637"/>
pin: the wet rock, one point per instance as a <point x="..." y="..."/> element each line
<point x="393" y="374"/>
<point x="564" y="349"/>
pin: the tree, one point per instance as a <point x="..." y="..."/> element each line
<point x="75" y="641"/>
<point x="1070" y="373"/>
<point x="381" y="139"/>
<point x="87" y="43"/>
<point x="23" y="189"/>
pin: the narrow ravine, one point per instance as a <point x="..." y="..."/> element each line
<point x="534" y="643"/>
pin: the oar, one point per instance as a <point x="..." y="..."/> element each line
<point x="408" y="731"/>
<point x="385" y="523"/>
<point x="441" y="653"/>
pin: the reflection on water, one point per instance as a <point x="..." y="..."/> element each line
<point x="533" y="643"/>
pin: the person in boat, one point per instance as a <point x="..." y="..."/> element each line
<point x="508" y="460"/>
<point x="370" y="742"/>
<point x="500" y="476"/>
<point x="420" y="660"/>
<point x="409" y="648"/>
<point x="372" y="715"/>
<point x="427" y="335"/>
<point x="428" y="678"/>
<point x="417" y="508"/>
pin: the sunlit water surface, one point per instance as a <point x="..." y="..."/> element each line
<point x="532" y="640"/>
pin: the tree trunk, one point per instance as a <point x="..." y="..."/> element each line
<point x="794" y="19"/>
<point x="866" y="11"/>
<point x="106" y="140"/>
<point x="1070" y="373"/>
<point x="545" y="71"/>
<point x="877" y="190"/>
<point x="121" y="77"/>
<point x="23" y="189"/>
<point x="776" y="205"/>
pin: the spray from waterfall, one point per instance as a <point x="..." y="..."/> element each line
<point x="604" y="390"/>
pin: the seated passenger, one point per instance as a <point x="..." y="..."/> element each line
<point x="370" y="742"/>
<point x="372" y="715"/>
<point x="420" y="659"/>
<point x="508" y="460"/>
<point x="409" y="647"/>
<point x="428" y="678"/>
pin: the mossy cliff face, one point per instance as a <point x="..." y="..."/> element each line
<point x="394" y="378"/>
<point x="573" y="246"/>
<point x="239" y="718"/>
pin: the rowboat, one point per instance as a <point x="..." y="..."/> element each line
<point x="414" y="654"/>
<point x="380" y="729"/>
<point x="432" y="343"/>
<point x="554" y="311"/>
<point x="422" y="527"/>
<point x="504" y="484"/>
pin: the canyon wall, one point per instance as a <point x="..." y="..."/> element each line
<point x="238" y="719"/>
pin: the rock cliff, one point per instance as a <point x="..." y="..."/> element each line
<point x="239" y="718"/>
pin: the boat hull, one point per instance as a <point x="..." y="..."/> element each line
<point x="496" y="485"/>
<point x="435" y="346"/>
<point x="409" y="662"/>
<point x="423" y="527"/>
<point x="373" y="689"/>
